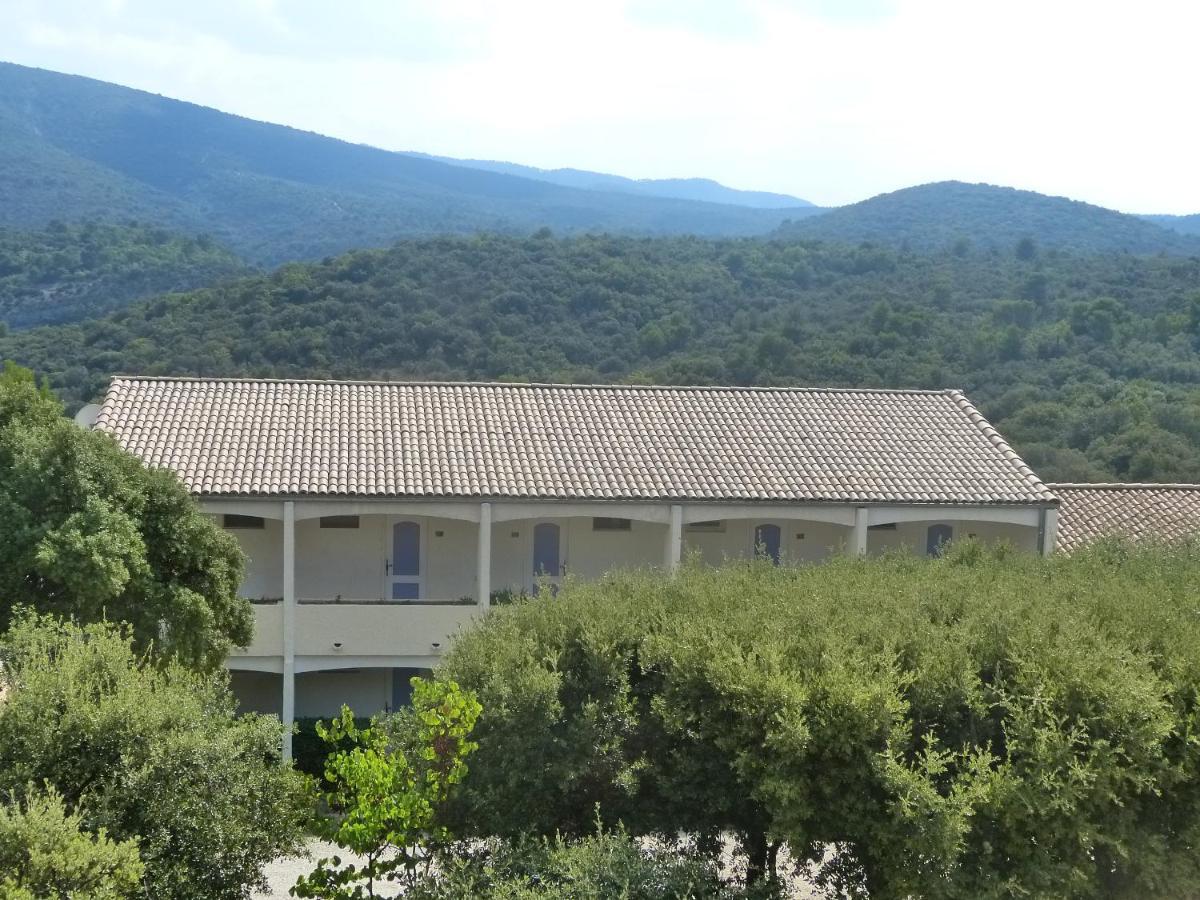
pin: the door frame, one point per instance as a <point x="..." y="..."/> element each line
<point x="422" y="557"/>
<point x="529" y="578"/>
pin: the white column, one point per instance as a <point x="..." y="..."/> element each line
<point x="1049" y="531"/>
<point x="289" y="626"/>
<point x="858" y="544"/>
<point x="674" y="548"/>
<point x="483" y="569"/>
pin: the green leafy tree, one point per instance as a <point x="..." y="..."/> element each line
<point x="45" y="855"/>
<point x="386" y="791"/>
<point x="91" y="533"/>
<point x="149" y="753"/>
<point x="982" y="725"/>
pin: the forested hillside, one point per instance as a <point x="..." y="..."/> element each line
<point x="1182" y="224"/>
<point x="73" y="148"/>
<point x="953" y="216"/>
<point x="68" y="272"/>
<point x="1090" y="365"/>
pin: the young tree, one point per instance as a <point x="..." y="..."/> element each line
<point x="150" y="753"/>
<point x="92" y="534"/>
<point x="387" y="789"/>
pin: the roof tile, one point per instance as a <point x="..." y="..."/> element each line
<point x="253" y="437"/>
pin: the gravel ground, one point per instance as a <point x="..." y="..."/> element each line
<point x="283" y="872"/>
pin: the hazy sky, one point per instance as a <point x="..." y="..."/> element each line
<point x="831" y="101"/>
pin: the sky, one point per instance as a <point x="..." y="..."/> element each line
<point x="826" y="100"/>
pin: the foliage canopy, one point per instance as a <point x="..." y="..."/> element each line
<point x="978" y="725"/>
<point x="90" y="533"/>
<point x="1088" y="365"/>
<point x="148" y="753"/>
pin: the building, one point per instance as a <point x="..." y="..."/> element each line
<point x="378" y="518"/>
<point x="1089" y="512"/>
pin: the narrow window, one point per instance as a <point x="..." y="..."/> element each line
<point x="936" y="539"/>
<point x="339" y="521"/>
<point x="230" y="520"/>
<point x="406" y="549"/>
<point x="766" y="542"/>
<point x="606" y="523"/>
<point x="546" y="556"/>
<point x="713" y="525"/>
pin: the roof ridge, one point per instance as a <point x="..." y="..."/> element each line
<point x="1125" y="485"/>
<point x="997" y="440"/>
<point x="209" y="379"/>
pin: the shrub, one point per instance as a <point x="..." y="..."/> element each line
<point x="385" y="791"/>
<point x="44" y="854"/>
<point x="605" y="866"/>
<point x="149" y="753"/>
<point x="968" y="726"/>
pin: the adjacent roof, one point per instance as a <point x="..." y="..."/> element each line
<point x="387" y="439"/>
<point x="1091" y="511"/>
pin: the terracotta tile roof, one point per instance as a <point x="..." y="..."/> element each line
<point x="1091" y="511"/>
<point x="384" y="439"/>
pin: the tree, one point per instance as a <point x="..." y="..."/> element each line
<point x="90" y="533"/>
<point x="46" y="855"/>
<point x="982" y="725"/>
<point x="386" y="790"/>
<point x="148" y="752"/>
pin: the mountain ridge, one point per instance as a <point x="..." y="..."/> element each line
<point x="705" y="190"/>
<point x="73" y="147"/>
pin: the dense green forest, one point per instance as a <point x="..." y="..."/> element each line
<point x="74" y="148"/>
<point x="953" y="216"/>
<point x="68" y="272"/>
<point x="1089" y="364"/>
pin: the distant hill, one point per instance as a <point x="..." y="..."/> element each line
<point x="947" y="214"/>
<point x="704" y="190"/>
<point x="1182" y="224"/>
<point x="68" y="272"/>
<point x="74" y="148"/>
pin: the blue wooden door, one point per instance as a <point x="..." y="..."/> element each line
<point x="404" y="564"/>
<point x="767" y="541"/>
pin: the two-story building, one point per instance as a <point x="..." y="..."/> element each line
<point x="380" y="517"/>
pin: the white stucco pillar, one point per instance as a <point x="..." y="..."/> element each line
<point x="483" y="568"/>
<point x="288" y="713"/>
<point x="674" y="548"/>
<point x="858" y="540"/>
<point x="1049" y="531"/>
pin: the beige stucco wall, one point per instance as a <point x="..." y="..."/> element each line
<point x="318" y="694"/>
<point x="799" y="541"/>
<point x="349" y="563"/>
<point x="912" y="536"/>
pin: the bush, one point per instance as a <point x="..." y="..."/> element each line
<point x="968" y="726"/>
<point x="151" y="754"/>
<point x="385" y="793"/>
<point x="44" y="854"/>
<point x="602" y="867"/>
<point x="310" y="752"/>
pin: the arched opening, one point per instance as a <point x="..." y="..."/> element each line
<point x="547" y="550"/>
<point x="936" y="539"/>
<point x="767" y="542"/>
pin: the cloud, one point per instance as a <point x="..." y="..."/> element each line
<point x="832" y="101"/>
